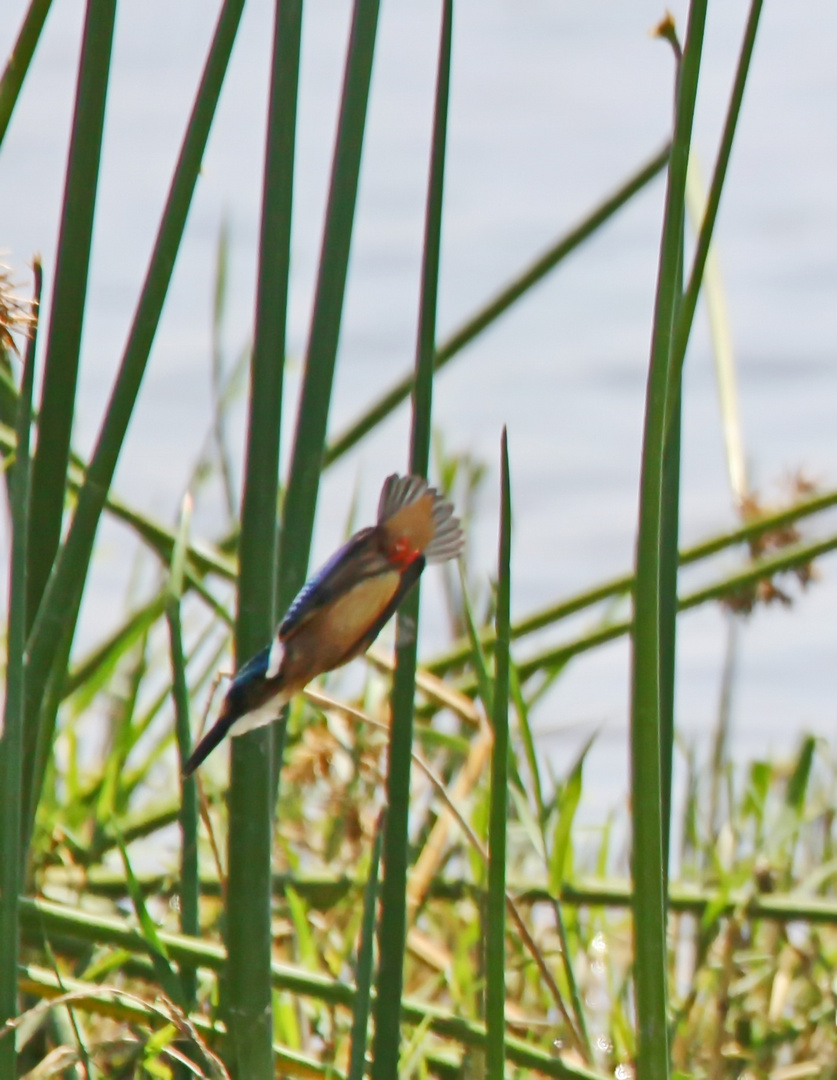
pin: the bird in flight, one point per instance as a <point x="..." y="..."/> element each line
<point x="341" y="610"/>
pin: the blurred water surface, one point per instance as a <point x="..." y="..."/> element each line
<point x="553" y="104"/>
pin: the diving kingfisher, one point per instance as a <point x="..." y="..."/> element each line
<point x="341" y="610"/>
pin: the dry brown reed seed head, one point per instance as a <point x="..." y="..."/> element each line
<point x="17" y="313"/>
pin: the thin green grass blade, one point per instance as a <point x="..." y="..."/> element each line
<point x="669" y="547"/>
<point x="155" y="946"/>
<point x="669" y="564"/>
<point x="499" y="304"/>
<point x="219" y="440"/>
<point x="19" y="60"/>
<point x="365" y="968"/>
<point x="485" y="684"/>
<point x="109" y="799"/>
<point x="58" y="393"/>
<point x="50" y="640"/>
<point x="11" y="740"/>
<point x="495" y="945"/>
<point x="650" y="970"/>
<point x="248" y="1000"/>
<point x="392" y="927"/>
<point x="556" y="876"/>
<point x="525" y="730"/>
<point x="309" y="441"/>
<point x="801" y="775"/>
<point x="723" y="349"/>
<point x="189" y="881"/>
<point x="673" y="409"/>
<point x="687" y="309"/>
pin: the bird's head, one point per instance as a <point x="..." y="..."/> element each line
<point x="414" y="520"/>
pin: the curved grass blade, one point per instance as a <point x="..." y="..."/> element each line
<point x="248" y="998"/>
<point x="19" y="60"/>
<point x="50" y="640"/>
<point x="189" y="880"/>
<point x="738" y="586"/>
<point x="11" y="740"/>
<point x="670" y="526"/>
<point x="364" y="970"/>
<point x="723" y="349"/>
<point x="204" y="557"/>
<point x="500" y="303"/>
<point x="648" y="866"/>
<point x="392" y="928"/>
<point x="495" y="945"/>
<point x="58" y="393"/>
<point x="39" y="917"/>
<point x="155" y="947"/>
<point x="749" y="533"/>
<point x="90" y="676"/>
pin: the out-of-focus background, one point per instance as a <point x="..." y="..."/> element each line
<point x="553" y="104"/>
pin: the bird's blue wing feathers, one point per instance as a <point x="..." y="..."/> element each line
<point x="250" y="687"/>
<point x="357" y="559"/>
<point x="309" y="595"/>
<point x="255" y="668"/>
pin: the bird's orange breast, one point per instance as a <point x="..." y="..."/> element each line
<point x="332" y="634"/>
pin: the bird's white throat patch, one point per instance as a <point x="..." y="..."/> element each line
<point x="275" y="658"/>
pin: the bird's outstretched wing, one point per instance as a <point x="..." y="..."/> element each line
<point x="359" y="558"/>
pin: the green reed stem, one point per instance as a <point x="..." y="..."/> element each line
<point x="648" y="866"/>
<point x="495" y="945"/>
<point x="50" y="640"/>
<point x="309" y="442"/>
<point x="250" y="799"/>
<point x="501" y="302"/>
<point x="11" y="741"/>
<point x="670" y="545"/>
<point x="687" y="310"/>
<point x="19" y="60"/>
<point x="365" y="968"/>
<point x="58" y="394"/>
<point x="392" y="928"/>
<point x="189" y="889"/>
<point x="43" y="917"/>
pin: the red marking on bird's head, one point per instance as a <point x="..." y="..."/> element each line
<point x="407" y="533"/>
<point x="401" y="553"/>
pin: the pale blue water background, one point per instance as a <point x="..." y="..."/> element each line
<point x="552" y="105"/>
